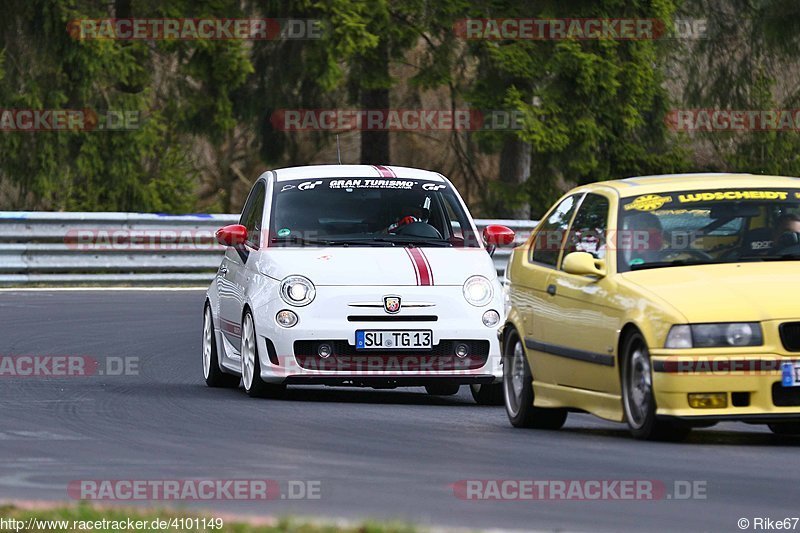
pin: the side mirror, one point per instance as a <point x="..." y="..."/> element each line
<point x="584" y="264"/>
<point x="497" y="235"/>
<point x="233" y="235"/>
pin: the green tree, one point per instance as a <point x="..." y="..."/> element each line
<point x="178" y="88"/>
<point x="748" y="61"/>
<point x="592" y="109"/>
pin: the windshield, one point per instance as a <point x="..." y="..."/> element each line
<point x="708" y="226"/>
<point x="368" y="212"/>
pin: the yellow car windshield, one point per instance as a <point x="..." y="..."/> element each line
<point x="708" y="226"/>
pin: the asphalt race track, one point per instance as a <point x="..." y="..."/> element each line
<point x="389" y="454"/>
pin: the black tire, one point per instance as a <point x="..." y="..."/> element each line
<point x="487" y="394"/>
<point x="518" y="390"/>
<point x="785" y="428"/>
<point x="253" y="384"/>
<point x="442" y="389"/>
<point x="638" y="400"/>
<point x="212" y="372"/>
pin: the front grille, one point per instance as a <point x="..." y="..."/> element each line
<point x="346" y="358"/>
<point x="344" y="348"/>
<point x="790" y="336"/>
<point x="785" y="396"/>
<point x="392" y="318"/>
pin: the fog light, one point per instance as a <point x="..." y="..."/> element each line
<point x="491" y="318"/>
<point x="324" y="350"/>
<point x="462" y="350"/>
<point x="708" y="400"/>
<point x="286" y="318"/>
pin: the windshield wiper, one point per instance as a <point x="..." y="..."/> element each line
<point x="300" y="240"/>
<point x="405" y="241"/>
<point x="322" y="242"/>
<point x="676" y="262"/>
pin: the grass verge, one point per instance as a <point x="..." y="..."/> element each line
<point x="85" y="517"/>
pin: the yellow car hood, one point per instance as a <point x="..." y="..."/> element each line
<point x="726" y="293"/>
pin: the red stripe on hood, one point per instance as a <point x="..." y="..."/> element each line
<point x="422" y="266"/>
<point x="427" y="263"/>
<point x="413" y="264"/>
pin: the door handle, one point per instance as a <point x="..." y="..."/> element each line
<point x="551" y="290"/>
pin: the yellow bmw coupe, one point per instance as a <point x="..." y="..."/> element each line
<point x="666" y="302"/>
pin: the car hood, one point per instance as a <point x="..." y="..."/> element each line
<point x="726" y="293"/>
<point x="378" y="265"/>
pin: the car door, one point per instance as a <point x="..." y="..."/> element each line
<point x="233" y="271"/>
<point x="584" y="321"/>
<point x="528" y="288"/>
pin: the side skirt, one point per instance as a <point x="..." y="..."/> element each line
<point x="600" y="404"/>
<point x="229" y="358"/>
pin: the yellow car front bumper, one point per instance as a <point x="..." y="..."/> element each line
<point x="750" y="385"/>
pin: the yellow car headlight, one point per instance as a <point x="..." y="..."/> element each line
<point x="724" y="334"/>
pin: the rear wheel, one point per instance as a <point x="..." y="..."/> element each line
<point x="518" y="391"/>
<point x="489" y="394"/>
<point x="251" y="366"/>
<point x="637" y="395"/>
<point x="442" y="389"/>
<point x="785" y="428"/>
<point x="211" y="370"/>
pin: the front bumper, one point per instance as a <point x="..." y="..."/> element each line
<point x="289" y="355"/>
<point x="750" y="381"/>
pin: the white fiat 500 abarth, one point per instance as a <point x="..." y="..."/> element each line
<point x="355" y="275"/>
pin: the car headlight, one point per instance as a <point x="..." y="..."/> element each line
<point x="715" y="335"/>
<point x="478" y="291"/>
<point x="297" y="290"/>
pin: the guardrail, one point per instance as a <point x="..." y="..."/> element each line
<point x="107" y="249"/>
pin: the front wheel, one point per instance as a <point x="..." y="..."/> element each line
<point x="251" y="366"/>
<point x="637" y="395"/>
<point x="211" y="371"/>
<point x="518" y="391"/>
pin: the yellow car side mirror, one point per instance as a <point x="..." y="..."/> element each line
<point x="584" y="264"/>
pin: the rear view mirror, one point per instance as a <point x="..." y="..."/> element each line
<point x="584" y="264"/>
<point x="497" y="235"/>
<point x="233" y="235"/>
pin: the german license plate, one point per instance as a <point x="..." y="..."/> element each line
<point x="367" y="339"/>
<point x="790" y="374"/>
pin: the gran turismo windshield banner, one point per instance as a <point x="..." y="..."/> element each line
<point x="361" y="184"/>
